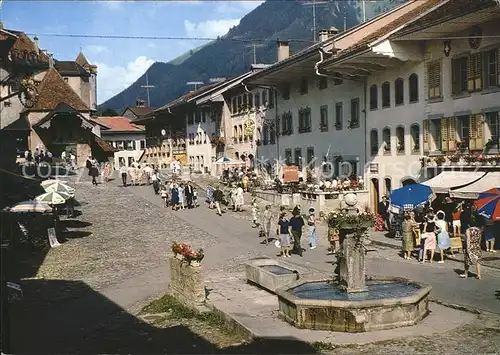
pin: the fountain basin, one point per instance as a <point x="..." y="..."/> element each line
<point x="318" y="303"/>
<point x="272" y="274"/>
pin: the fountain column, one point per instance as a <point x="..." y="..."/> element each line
<point x="351" y="259"/>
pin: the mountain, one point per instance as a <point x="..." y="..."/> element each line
<point x="230" y="55"/>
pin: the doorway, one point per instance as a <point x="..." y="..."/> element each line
<point x="388" y="186"/>
<point x="375" y="195"/>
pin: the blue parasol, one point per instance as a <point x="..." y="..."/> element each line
<point x="410" y="197"/>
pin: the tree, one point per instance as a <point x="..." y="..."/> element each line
<point x="108" y="112"/>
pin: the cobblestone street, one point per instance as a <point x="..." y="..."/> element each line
<point x="120" y="256"/>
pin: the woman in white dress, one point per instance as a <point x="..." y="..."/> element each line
<point x="239" y="200"/>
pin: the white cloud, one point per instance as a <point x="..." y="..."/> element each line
<point x="231" y="7"/>
<point x="210" y="28"/>
<point x="111" y="80"/>
<point x="95" y="49"/>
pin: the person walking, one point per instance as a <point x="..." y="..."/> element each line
<point x="239" y="199"/>
<point x="443" y="237"/>
<point x="94" y="171"/>
<point x="472" y="251"/>
<point x="174" y="201"/>
<point x="164" y="195"/>
<point x="311" y="228"/>
<point x="429" y="237"/>
<point x="156" y="182"/>
<point x="265" y="226"/>
<point x="284" y="233"/>
<point x="255" y="211"/>
<point x="296" y="226"/>
<point x="181" y="196"/>
<point x="123" y="174"/>
<point x="408" y="226"/>
<point x="383" y="211"/>
<point x="189" y="193"/>
<point x="456" y="223"/>
<point x="218" y="197"/>
<point x="107" y="172"/>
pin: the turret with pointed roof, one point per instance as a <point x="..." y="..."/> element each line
<point x="82" y="60"/>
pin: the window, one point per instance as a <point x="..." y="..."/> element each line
<point x="265" y="135"/>
<point x="271" y="98"/>
<point x="475" y="72"/>
<point x="464" y="131"/>
<point x="287" y="123"/>
<point x="257" y="100"/>
<point x="264" y="98"/>
<point x="354" y="122"/>
<point x="388" y="186"/>
<point x="386" y="95"/>
<point x="374" y="142"/>
<point x="323" y="83"/>
<point x="288" y="156"/>
<point x="190" y="117"/>
<point x="400" y="138"/>
<point x="386" y="136"/>
<point x="143" y="144"/>
<point x="373" y="97"/>
<point x="240" y="103"/>
<point x="197" y="118"/>
<point x="286" y="92"/>
<point x="298" y="157"/>
<point x="245" y="101"/>
<point x="339" y="113"/>
<point x="415" y="138"/>
<point x="303" y="86"/>
<point x="413" y="87"/>
<point x="272" y="134"/>
<point x="323" y="125"/>
<point x="204" y="114"/>
<point x="459" y="75"/>
<point x="310" y="155"/>
<point x="234" y="105"/>
<point x="434" y="79"/>
<point x="491" y="66"/>
<point x="399" y="98"/>
<point x="436" y="134"/>
<point x="305" y="120"/>
<point x="250" y="100"/>
<point x="493" y="121"/>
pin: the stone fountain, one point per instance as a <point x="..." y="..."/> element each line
<point x="351" y="301"/>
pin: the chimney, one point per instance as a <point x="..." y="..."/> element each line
<point x="35" y="43"/>
<point x="283" y="50"/>
<point x="325" y="34"/>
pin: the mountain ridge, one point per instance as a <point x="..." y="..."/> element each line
<point x="230" y="56"/>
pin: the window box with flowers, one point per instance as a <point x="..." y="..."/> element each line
<point x="387" y="149"/>
<point x="400" y="148"/>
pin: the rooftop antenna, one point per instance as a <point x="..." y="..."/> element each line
<point x="313" y="4"/>
<point x="255" y="45"/>
<point x="147" y="87"/>
<point x="195" y="84"/>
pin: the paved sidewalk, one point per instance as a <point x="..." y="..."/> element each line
<point x="491" y="260"/>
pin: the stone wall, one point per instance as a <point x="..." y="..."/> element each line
<point x="186" y="283"/>
<point x="83" y="151"/>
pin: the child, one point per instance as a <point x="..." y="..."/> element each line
<point x="266" y="223"/>
<point x="164" y="195"/>
<point x="334" y="239"/>
<point x="283" y="226"/>
<point x="311" y="227"/>
<point x="255" y="211"/>
<point x="195" y="197"/>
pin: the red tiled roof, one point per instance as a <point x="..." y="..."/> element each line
<point x="104" y="146"/>
<point x="53" y="90"/>
<point x="118" y="123"/>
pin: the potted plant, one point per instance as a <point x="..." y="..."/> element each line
<point x="440" y="160"/>
<point x="179" y="249"/>
<point x="193" y="257"/>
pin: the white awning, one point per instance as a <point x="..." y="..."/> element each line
<point x="449" y="180"/>
<point x="472" y="191"/>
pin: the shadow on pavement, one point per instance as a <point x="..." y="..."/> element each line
<point x="84" y="321"/>
<point x="71" y="223"/>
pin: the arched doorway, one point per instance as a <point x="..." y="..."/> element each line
<point x="375" y="194"/>
<point x="408" y="182"/>
<point x="388" y="186"/>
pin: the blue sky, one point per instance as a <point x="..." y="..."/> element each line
<point x="121" y="61"/>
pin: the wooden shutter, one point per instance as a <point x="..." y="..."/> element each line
<point x="472" y="132"/>
<point x="444" y="134"/>
<point x="425" y="135"/>
<point x="452" y="134"/>
<point x="478" y="71"/>
<point x="455" y="77"/>
<point x="470" y="73"/>
<point x="498" y="66"/>
<point x="479" y="131"/>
